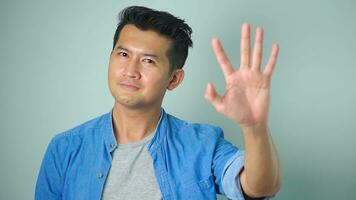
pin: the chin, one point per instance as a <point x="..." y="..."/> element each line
<point x="128" y="102"/>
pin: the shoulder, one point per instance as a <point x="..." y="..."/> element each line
<point x="74" y="136"/>
<point x="194" y="131"/>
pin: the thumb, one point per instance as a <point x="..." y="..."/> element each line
<point x="212" y="96"/>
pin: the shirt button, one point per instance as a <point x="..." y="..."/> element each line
<point x="99" y="175"/>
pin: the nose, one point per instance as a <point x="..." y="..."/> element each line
<point x="132" y="70"/>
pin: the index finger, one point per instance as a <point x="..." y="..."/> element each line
<point x="223" y="60"/>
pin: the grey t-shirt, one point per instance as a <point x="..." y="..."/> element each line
<point x="131" y="175"/>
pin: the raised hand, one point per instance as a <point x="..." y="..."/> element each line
<point x="246" y="98"/>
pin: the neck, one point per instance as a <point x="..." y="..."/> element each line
<point x="134" y="124"/>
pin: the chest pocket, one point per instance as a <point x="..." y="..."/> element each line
<point x="203" y="189"/>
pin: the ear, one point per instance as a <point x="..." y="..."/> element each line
<point x="176" y="78"/>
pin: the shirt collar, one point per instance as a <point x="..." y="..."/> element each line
<point x="160" y="132"/>
<point x="108" y="132"/>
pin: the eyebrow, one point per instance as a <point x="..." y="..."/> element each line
<point x="145" y="54"/>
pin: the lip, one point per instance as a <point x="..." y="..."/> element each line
<point x="131" y="86"/>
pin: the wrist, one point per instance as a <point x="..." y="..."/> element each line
<point x="258" y="128"/>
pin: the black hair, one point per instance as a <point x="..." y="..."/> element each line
<point x="163" y="23"/>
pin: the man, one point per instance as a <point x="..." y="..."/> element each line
<point x="138" y="151"/>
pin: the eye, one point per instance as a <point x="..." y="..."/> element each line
<point x="123" y="54"/>
<point x="150" y="61"/>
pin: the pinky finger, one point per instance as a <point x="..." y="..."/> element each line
<point x="272" y="60"/>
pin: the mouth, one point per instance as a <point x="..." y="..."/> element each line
<point x="130" y="86"/>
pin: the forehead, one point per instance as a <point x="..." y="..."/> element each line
<point x="143" y="41"/>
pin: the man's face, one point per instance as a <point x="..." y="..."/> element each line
<point x="139" y="68"/>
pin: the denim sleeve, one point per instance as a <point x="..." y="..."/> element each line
<point x="223" y="152"/>
<point x="50" y="178"/>
<point x="231" y="179"/>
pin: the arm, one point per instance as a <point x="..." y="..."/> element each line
<point x="261" y="176"/>
<point x="49" y="180"/>
<point x="246" y="102"/>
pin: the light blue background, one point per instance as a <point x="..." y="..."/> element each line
<point x="53" y="76"/>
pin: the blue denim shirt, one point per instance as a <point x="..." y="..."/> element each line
<point x="191" y="161"/>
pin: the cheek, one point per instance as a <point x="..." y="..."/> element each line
<point x="114" y="71"/>
<point x="158" y="81"/>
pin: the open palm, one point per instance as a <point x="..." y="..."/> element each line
<point x="246" y="98"/>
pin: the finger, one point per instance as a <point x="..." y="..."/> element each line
<point x="223" y="60"/>
<point x="257" y="49"/>
<point x="212" y="96"/>
<point x="272" y="60"/>
<point x="245" y="45"/>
